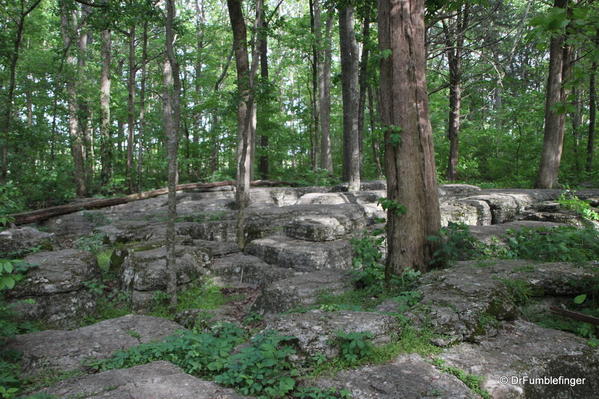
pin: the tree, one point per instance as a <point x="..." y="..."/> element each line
<point x="70" y="34"/>
<point x="246" y="110"/>
<point x="324" y="90"/>
<point x="24" y="10"/>
<point x="105" y="84"/>
<point x="412" y="198"/>
<point x="553" y="138"/>
<point x="172" y="90"/>
<point x="351" y="97"/>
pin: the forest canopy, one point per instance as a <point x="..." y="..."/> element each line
<point x="82" y="91"/>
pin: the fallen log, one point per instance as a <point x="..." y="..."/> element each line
<point x="574" y="315"/>
<point x="40" y="215"/>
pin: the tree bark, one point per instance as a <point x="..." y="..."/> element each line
<point x="172" y="90"/>
<point x="349" y="79"/>
<point x="264" y="121"/>
<point x="246" y="121"/>
<point x="68" y="30"/>
<point x="131" y="108"/>
<point x="409" y="153"/>
<point x="142" y="105"/>
<point x="553" y="138"/>
<point x="592" y="120"/>
<point x="592" y="115"/>
<point x="324" y="94"/>
<point x="105" y="83"/>
<point x="363" y="77"/>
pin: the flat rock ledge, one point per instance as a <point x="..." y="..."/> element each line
<point x="156" y="380"/>
<point x="316" y="330"/>
<point x="463" y="302"/>
<point x="525" y="349"/>
<point x="302" y="255"/>
<point x="301" y="290"/>
<point x="408" y="376"/>
<point x="61" y="350"/>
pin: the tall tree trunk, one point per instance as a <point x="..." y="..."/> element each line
<point x="263" y="121"/>
<point x="315" y="29"/>
<point x="12" y="72"/>
<point x="245" y="114"/>
<point x="349" y="79"/>
<point x="142" y="106"/>
<point x="576" y="119"/>
<point x="200" y="22"/>
<point x="131" y="108"/>
<point x="84" y="108"/>
<point x="172" y="89"/>
<point x="409" y="153"/>
<point x="592" y="113"/>
<point x="454" y="40"/>
<point x="324" y="93"/>
<point x="68" y="26"/>
<point x="376" y="147"/>
<point x="553" y="139"/>
<point x="105" y="134"/>
<point x="363" y="77"/>
<point x="592" y="119"/>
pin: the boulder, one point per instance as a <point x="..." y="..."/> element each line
<point x="302" y="255"/>
<point x="458" y="190"/>
<point x="467" y="301"/>
<point x="144" y="272"/>
<point x="240" y="269"/>
<point x="469" y="212"/>
<point x="504" y="207"/>
<point x="316" y="228"/>
<point x="493" y="234"/>
<point x="18" y="241"/>
<point x="156" y="380"/>
<point x="54" y="291"/>
<point x="316" y="330"/>
<point x="71" y="226"/>
<point x="301" y="290"/>
<point x="62" y="350"/>
<point x="262" y="222"/>
<point x="408" y="376"/>
<point x="522" y="349"/>
<point x="57" y="272"/>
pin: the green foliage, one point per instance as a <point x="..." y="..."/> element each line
<point x="92" y="242"/>
<point x="201" y="354"/>
<point x="473" y="382"/>
<point x="392" y="206"/>
<point x="10" y="202"/>
<point x="354" y="346"/>
<point x="570" y="201"/>
<point x="11" y="272"/>
<point x="262" y="369"/>
<point x="560" y="244"/>
<point x="455" y="243"/>
<point x="520" y="291"/>
<point x="206" y="297"/>
<point x="320" y="393"/>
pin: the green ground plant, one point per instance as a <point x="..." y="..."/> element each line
<point x="354" y="346"/>
<point x="570" y="201"/>
<point x="473" y="382"/>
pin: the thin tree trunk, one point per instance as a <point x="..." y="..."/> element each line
<point x="363" y="77"/>
<point x="142" y="106"/>
<point x="315" y="29"/>
<point x="409" y="153"/>
<point x="592" y="115"/>
<point x="576" y="119"/>
<point x="349" y="79"/>
<point x="172" y="89"/>
<point x="131" y="109"/>
<point x="12" y="71"/>
<point x="553" y="139"/>
<point x="324" y="91"/>
<point x="68" y="21"/>
<point x="245" y="115"/>
<point x="105" y="83"/>
<point x="200" y="22"/>
<point x="263" y="121"/>
<point x="376" y="147"/>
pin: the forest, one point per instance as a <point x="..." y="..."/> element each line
<point x="317" y="199"/>
<point x="83" y="91"/>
